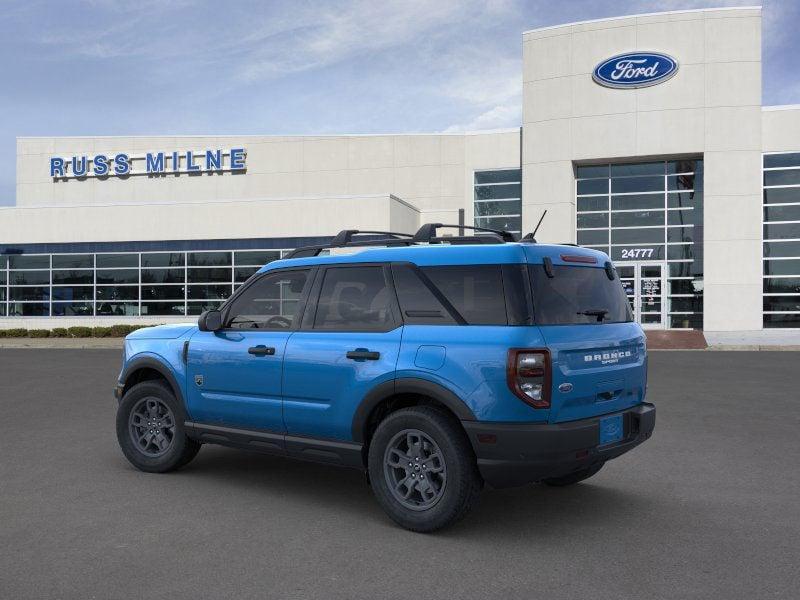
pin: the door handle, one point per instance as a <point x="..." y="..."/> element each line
<point x="261" y="350"/>
<point x="363" y="354"/>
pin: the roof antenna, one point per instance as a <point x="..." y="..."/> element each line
<point x="531" y="237"/>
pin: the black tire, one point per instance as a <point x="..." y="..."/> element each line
<point x="177" y="451"/>
<point x="573" y="478"/>
<point x="459" y="485"/>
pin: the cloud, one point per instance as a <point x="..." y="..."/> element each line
<point x="498" y="117"/>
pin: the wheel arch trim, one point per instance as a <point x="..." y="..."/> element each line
<point x="406" y="385"/>
<point x="151" y="362"/>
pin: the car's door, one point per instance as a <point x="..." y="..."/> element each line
<point x="234" y="374"/>
<point x="348" y="343"/>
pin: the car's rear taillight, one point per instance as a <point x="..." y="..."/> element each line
<point x="528" y="375"/>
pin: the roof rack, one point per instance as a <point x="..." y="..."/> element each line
<point x="427" y="234"/>
<point x="344" y="239"/>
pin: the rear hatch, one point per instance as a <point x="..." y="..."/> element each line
<point x="597" y="352"/>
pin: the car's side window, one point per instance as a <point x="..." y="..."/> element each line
<point x="271" y="302"/>
<point x="418" y="303"/>
<point x="476" y="291"/>
<point x="355" y="299"/>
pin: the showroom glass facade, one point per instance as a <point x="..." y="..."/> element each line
<point x="124" y="284"/>
<point x="781" y="240"/>
<point x="649" y="213"/>
<point x="498" y="199"/>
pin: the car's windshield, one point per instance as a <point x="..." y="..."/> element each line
<point x="577" y="295"/>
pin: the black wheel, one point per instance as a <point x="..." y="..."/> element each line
<point x="150" y="429"/>
<point x="422" y="469"/>
<point x="573" y="477"/>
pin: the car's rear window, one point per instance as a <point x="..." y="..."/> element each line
<point x="577" y="295"/>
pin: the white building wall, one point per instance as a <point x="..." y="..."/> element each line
<point x="433" y="172"/>
<point x="712" y="107"/>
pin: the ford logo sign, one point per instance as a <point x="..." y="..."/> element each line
<point x="635" y="70"/>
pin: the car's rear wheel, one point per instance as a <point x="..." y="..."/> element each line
<point x="150" y="428"/>
<point x="422" y="469"/>
<point x="575" y="477"/>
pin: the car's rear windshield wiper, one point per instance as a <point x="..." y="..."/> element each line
<point x="600" y="313"/>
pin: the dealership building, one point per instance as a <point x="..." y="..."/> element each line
<point x="643" y="136"/>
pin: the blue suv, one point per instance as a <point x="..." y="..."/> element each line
<point x="434" y="363"/>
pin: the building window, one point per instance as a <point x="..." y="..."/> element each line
<point x="124" y="284"/>
<point x="498" y="199"/>
<point x="649" y="212"/>
<point x="781" y="246"/>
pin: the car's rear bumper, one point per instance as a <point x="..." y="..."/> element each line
<point x="511" y="454"/>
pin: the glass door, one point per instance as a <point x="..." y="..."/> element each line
<point x="644" y="285"/>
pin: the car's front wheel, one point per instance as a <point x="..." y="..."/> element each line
<point x="150" y="428"/>
<point x="422" y="469"/>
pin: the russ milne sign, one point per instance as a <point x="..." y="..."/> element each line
<point x="635" y="70"/>
<point x="151" y="163"/>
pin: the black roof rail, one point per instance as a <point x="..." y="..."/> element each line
<point x="344" y="239"/>
<point x="427" y="234"/>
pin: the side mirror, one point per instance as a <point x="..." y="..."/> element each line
<point x="210" y="320"/>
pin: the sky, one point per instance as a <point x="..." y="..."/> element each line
<point x="161" y="67"/>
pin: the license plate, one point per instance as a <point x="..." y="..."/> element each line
<point x="610" y="429"/>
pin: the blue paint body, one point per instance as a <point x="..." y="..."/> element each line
<point x="309" y="388"/>
<point x="635" y="70"/>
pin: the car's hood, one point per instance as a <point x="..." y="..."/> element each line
<point x="161" y="332"/>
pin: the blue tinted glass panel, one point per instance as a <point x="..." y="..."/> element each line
<point x="117" y="309"/>
<point x="163" y="275"/>
<point x="118" y="292"/>
<point x="593" y="220"/>
<point x="637" y="236"/>
<point x="593" y="237"/>
<point x="591" y="171"/>
<point x="781" y="195"/>
<point x="637" y="219"/>
<point x="782" y="160"/>
<point x="782" y="267"/>
<point x="782" y="285"/>
<point x="73" y="309"/>
<point x="209" y="259"/>
<point x="85" y="276"/>
<point x="118" y="276"/>
<point x="781" y="249"/>
<point x="209" y="275"/>
<point x="500" y="176"/>
<point x="593" y="203"/>
<point x="782" y="303"/>
<point x="28" y="309"/>
<point x="788" y="177"/>
<point x="637" y="184"/>
<point x="637" y="202"/>
<point x="163" y="259"/>
<point x="162" y="292"/>
<point x="162" y="308"/>
<point x="29" y="277"/>
<point x="256" y="258"/>
<point x="495" y="192"/>
<point x="782" y="213"/>
<point x="23" y="261"/>
<point x="117" y="260"/>
<point x="593" y="186"/>
<point x="788" y="320"/>
<point x="29" y="293"/>
<point x="209" y="292"/>
<point x="782" y="231"/>
<point x="73" y="261"/>
<point x="72" y="293"/>
<point x="653" y="168"/>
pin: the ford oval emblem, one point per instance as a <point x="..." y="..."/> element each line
<point x="565" y="387"/>
<point x="635" y="70"/>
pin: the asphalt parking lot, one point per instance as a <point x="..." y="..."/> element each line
<point x="706" y="509"/>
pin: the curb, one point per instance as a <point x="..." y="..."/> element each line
<point x="62" y="343"/>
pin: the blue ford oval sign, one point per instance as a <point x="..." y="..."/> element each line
<point x="635" y="70"/>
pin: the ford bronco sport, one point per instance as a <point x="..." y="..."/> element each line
<point x="435" y="364"/>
